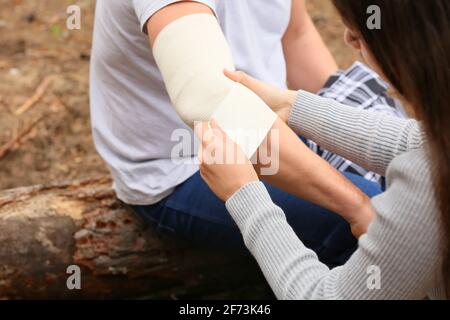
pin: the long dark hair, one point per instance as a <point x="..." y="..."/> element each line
<point x="412" y="48"/>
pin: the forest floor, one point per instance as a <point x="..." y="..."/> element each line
<point x="45" y="134"/>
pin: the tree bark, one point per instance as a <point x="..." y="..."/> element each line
<point x="46" y="229"/>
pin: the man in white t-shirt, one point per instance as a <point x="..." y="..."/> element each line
<point x="133" y="119"/>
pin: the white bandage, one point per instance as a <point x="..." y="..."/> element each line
<point x="192" y="53"/>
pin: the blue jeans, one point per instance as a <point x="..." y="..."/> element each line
<point x="195" y="214"/>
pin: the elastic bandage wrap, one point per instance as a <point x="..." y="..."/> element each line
<point x="191" y="54"/>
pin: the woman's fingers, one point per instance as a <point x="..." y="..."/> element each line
<point x="242" y="78"/>
<point x="273" y="96"/>
<point x="234" y="75"/>
<point x="202" y="131"/>
<point x="217" y="131"/>
<point x="216" y="147"/>
<point x="214" y="125"/>
<point x="213" y="142"/>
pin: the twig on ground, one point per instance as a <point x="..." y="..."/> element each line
<point x="6" y="148"/>
<point x="38" y="94"/>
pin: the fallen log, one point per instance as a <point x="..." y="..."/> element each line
<point x="46" y="229"/>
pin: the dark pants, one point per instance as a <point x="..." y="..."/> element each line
<point x="194" y="213"/>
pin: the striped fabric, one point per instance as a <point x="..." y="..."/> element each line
<point x="362" y="88"/>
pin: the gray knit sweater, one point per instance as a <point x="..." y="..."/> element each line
<point x="403" y="243"/>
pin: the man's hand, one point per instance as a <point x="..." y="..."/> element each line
<point x="280" y="101"/>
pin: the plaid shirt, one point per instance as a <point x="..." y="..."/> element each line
<point x="362" y="88"/>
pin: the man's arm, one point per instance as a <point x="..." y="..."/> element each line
<point x="191" y="52"/>
<point x="326" y="185"/>
<point x="309" y="62"/>
<point x="171" y="13"/>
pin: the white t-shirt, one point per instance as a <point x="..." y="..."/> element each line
<point x="132" y="118"/>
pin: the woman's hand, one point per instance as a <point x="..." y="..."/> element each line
<point x="223" y="165"/>
<point x="280" y="101"/>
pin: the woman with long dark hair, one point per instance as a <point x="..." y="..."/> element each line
<point x="404" y="251"/>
